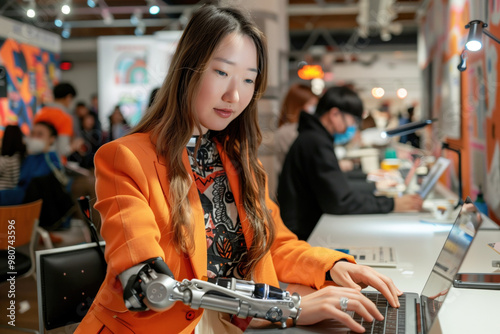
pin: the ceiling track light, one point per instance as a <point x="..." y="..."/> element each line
<point x="31" y="12"/>
<point x="58" y="22"/>
<point x="153" y="7"/>
<point x="66" y="7"/>
<point x="136" y="17"/>
<point x="140" y="29"/>
<point x="66" y="33"/>
<point x="107" y="17"/>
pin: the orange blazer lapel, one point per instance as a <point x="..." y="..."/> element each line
<point x="199" y="257"/>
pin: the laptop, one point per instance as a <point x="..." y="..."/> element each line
<point x="418" y="313"/>
<point x="428" y="183"/>
<point x="433" y="176"/>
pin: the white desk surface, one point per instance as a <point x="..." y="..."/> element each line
<point x="417" y="246"/>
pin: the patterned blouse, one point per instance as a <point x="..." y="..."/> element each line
<point x="226" y="247"/>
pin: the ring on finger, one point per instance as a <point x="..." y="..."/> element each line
<point x="343" y="303"/>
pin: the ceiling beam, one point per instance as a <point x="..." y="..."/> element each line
<point x="343" y="9"/>
<point x="161" y="22"/>
<point x="176" y="9"/>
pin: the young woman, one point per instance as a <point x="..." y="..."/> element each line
<point x="205" y="209"/>
<point x="299" y="98"/>
<point x="118" y="126"/>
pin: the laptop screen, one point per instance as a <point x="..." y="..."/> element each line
<point x="449" y="261"/>
<point x="432" y="178"/>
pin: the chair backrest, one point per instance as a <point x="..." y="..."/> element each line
<point x="21" y="220"/>
<point x="18" y="228"/>
<point x="68" y="279"/>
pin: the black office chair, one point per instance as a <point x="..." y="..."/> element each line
<point x="68" y="279"/>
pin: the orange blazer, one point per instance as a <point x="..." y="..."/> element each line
<point x="132" y="198"/>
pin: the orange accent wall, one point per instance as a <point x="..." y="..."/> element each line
<point x="480" y="132"/>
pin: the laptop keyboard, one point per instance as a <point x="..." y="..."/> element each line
<point x="394" y="318"/>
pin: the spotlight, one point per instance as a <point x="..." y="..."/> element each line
<point x="462" y="66"/>
<point x="402" y="93"/>
<point x="140" y="29"/>
<point x="378" y="92"/>
<point x="317" y="86"/>
<point x="31" y="13"/>
<point x="59" y="20"/>
<point x="474" y="43"/>
<point x="66" y="9"/>
<point x="474" y="39"/>
<point x="66" y="33"/>
<point x="153" y="10"/>
<point x="153" y="7"/>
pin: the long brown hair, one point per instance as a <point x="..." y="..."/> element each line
<point x="298" y="95"/>
<point x="171" y="121"/>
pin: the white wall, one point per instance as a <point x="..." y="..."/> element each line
<point x="387" y="69"/>
<point x="83" y="76"/>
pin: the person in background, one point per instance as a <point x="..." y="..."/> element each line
<point x="58" y="114"/>
<point x="92" y="138"/>
<point x="312" y="183"/>
<point x="186" y="186"/>
<point x="13" y="151"/>
<point x="39" y="161"/>
<point x="94" y="104"/>
<point x="81" y="111"/>
<point x="299" y="98"/>
<point x="412" y="138"/>
<point x="118" y="126"/>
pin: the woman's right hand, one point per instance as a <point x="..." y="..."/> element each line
<point x="324" y="304"/>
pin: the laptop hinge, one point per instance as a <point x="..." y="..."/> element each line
<point x="420" y="325"/>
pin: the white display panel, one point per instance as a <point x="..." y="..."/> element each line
<point x="129" y="68"/>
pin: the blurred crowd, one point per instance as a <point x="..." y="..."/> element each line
<point x="54" y="161"/>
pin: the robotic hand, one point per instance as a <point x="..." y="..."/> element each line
<point x="150" y="285"/>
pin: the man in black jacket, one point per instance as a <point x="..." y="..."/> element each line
<point x="311" y="182"/>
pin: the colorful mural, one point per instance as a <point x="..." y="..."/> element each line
<point x="31" y="74"/>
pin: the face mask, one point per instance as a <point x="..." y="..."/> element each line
<point x="35" y="145"/>
<point x="344" y="138"/>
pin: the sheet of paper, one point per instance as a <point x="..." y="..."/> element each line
<point x="495" y="246"/>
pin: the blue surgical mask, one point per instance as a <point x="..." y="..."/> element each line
<point x="344" y="138"/>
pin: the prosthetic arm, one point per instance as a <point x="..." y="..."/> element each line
<point x="151" y="286"/>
